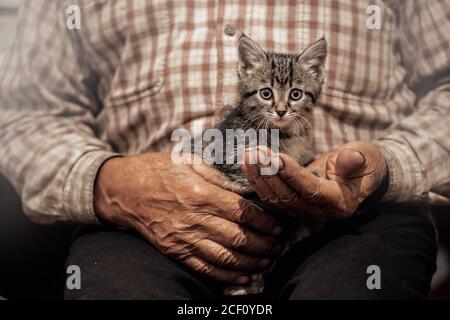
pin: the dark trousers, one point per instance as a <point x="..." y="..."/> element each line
<point x="32" y="256"/>
<point x="332" y="264"/>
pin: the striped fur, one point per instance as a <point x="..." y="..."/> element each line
<point x="281" y="73"/>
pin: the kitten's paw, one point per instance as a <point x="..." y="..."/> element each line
<point x="240" y="186"/>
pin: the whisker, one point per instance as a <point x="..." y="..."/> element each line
<point x="307" y="123"/>
<point x="250" y="120"/>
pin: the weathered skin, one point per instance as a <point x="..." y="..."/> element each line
<point x="347" y="176"/>
<point x="181" y="210"/>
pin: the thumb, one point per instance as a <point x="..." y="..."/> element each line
<point x="349" y="162"/>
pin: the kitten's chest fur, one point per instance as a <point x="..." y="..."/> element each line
<point x="298" y="147"/>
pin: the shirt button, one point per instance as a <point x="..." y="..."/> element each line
<point x="229" y="30"/>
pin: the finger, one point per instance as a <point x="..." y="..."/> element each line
<point x="290" y="201"/>
<point x="221" y="256"/>
<point x="257" y="155"/>
<point x="251" y="169"/>
<point x="262" y="189"/>
<point x="285" y="194"/>
<point x="284" y="197"/>
<point x="208" y="270"/>
<point x="235" y="236"/>
<point x="309" y="186"/>
<point x="296" y="176"/>
<point x="328" y="195"/>
<point x="234" y="208"/>
<point x="349" y="162"/>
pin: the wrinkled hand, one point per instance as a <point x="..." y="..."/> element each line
<point x="344" y="178"/>
<point x="180" y="210"/>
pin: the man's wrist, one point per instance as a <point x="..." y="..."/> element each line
<point x="407" y="179"/>
<point x="78" y="189"/>
<point x="103" y="207"/>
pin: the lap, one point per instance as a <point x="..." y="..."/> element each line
<point x="117" y="264"/>
<point x="333" y="264"/>
<point x="330" y="265"/>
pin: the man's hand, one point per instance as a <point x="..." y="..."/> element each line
<point x="343" y="179"/>
<point x="180" y="210"/>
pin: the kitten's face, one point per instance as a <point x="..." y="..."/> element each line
<point x="279" y="90"/>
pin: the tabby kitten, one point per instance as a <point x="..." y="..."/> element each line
<point x="277" y="91"/>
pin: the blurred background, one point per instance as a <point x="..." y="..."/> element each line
<point x="32" y="256"/>
<point x="8" y="13"/>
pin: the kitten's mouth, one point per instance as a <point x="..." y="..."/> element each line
<point x="281" y="122"/>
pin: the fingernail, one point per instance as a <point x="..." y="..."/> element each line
<point x="277" y="231"/>
<point x="263" y="159"/>
<point x="243" y="280"/>
<point x="264" y="263"/>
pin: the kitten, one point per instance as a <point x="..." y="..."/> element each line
<point x="278" y="91"/>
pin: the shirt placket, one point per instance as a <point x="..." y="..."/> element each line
<point x="228" y="32"/>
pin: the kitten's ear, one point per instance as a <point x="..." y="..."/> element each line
<point x="313" y="58"/>
<point x="251" y="55"/>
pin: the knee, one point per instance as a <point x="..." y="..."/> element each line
<point x="116" y="264"/>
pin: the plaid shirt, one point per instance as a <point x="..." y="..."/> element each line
<point x="137" y="70"/>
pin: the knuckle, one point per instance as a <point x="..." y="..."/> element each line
<point x="200" y="221"/>
<point x="289" y="199"/>
<point x="168" y="245"/>
<point x="205" y="270"/>
<point x="239" y="215"/>
<point x="197" y="194"/>
<point x="240" y="239"/>
<point x="225" y="258"/>
<point x="312" y="195"/>
<point x="171" y="251"/>
<point x="249" y="213"/>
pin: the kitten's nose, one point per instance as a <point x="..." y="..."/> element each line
<point x="281" y="113"/>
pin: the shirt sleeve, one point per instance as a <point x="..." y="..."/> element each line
<point x="48" y="107"/>
<point x="417" y="151"/>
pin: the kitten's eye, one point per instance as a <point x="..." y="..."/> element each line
<point x="295" y="94"/>
<point x="266" y="93"/>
